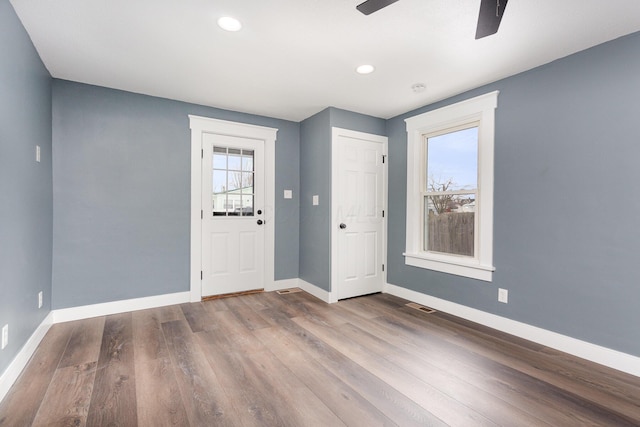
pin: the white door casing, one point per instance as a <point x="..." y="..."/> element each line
<point x="201" y="129"/>
<point x="232" y="224"/>
<point x="359" y="183"/>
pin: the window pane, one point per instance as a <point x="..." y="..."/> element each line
<point x="219" y="158"/>
<point x="219" y="181"/>
<point x="234" y="204"/>
<point x="452" y="161"/>
<point x="235" y="181"/>
<point x="247" y="205"/>
<point x="247" y="160"/>
<point x="449" y="224"/>
<point x="247" y="182"/>
<point x="235" y="159"/>
<point x="219" y="201"/>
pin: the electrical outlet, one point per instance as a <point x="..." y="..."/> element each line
<point x="5" y="336"/>
<point x="503" y="295"/>
<point x="40" y="299"/>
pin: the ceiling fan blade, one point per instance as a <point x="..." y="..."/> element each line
<point x="491" y="12"/>
<point x="370" y="6"/>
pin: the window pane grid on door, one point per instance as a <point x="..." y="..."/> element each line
<point x="233" y="177"/>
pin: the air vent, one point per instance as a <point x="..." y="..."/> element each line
<point x="289" y="291"/>
<point x="422" y="308"/>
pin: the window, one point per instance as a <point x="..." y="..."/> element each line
<point x="450" y="191"/>
<point x="232" y="182"/>
<point x="450" y="188"/>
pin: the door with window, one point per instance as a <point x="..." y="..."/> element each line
<point x="233" y="214"/>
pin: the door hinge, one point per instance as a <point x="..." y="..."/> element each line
<point x="382" y="214"/>
<point x="384" y="157"/>
<point x="201" y="275"/>
<point x="201" y="214"/>
<point x="382" y="267"/>
<point x="202" y="153"/>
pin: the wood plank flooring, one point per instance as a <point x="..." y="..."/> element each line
<point x="291" y="360"/>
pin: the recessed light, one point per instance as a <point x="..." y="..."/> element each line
<point x="365" y="69"/>
<point x="230" y="24"/>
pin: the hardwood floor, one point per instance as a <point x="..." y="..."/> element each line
<point x="291" y="360"/>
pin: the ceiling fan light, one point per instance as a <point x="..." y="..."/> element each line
<point x="228" y="23"/>
<point x="365" y="69"/>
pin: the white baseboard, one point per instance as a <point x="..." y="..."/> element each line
<point x="12" y="373"/>
<point x="16" y="366"/>
<point x="604" y="356"/>
<point x="317" y="292"/>
<point x="115" y="307"/>
<point x="585" y="350"/>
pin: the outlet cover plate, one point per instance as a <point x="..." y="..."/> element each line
<point x="503" y="295"/>
<point x="40" y="299"/>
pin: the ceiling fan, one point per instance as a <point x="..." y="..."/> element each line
<point x="489" y="18"/>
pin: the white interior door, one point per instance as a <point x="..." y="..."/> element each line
<point x="233" y="215"/>
<point x="358" y="212"/>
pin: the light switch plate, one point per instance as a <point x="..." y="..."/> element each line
<point x="288" y="194"/>
<point x="38" y="153"/>
<point x="316" y="200"/>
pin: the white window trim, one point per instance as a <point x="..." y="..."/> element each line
<point x="480" y="109"/>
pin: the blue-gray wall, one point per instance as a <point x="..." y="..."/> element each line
<point x="121" y="190"/>
<point x="25" y="186"/>
<point x="355" y="121"/>
<point x="566" y="214"/>
<point x="315" y="179"/>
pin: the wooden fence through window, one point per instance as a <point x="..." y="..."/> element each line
<point x="451" y="233"/>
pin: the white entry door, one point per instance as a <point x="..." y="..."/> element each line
<point x="233" y="215"/>
<point x="359" y="203"/>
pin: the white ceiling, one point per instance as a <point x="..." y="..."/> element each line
<point x="294" y="58"/>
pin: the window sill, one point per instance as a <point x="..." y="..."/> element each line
<point x="451" y="265"/>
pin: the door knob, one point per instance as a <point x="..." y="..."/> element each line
<point x="343" y="226"/>
<point x="259" y="222"/>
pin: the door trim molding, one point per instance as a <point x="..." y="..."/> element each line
<point x="335" y="133"/>
<point x="199" y="126"/>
